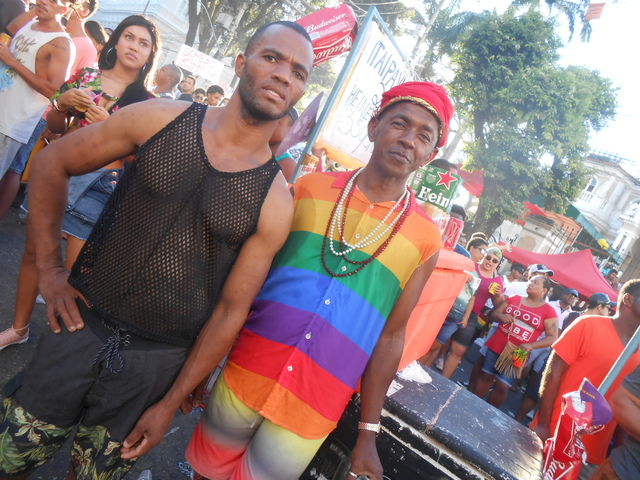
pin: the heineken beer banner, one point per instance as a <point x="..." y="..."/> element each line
<point x="435" y="186"/>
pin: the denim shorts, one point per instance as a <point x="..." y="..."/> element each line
<point x="80" y="218"/>
<point x="22" y="157"/>
<point x="489" y="367"/>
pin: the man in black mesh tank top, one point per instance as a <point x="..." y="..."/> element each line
<point x="169" y="273"/>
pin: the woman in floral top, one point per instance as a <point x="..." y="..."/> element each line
<point x="89" y="96"/>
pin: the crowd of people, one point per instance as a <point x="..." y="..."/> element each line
<point x="183" y="246"/>
<point x="560" y="343"/>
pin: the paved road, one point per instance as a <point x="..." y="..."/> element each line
<point x="167" y="460"/>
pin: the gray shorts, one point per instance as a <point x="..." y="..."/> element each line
<point x="76" y="379"/>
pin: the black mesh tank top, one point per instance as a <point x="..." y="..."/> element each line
<point x="157" y="259"/>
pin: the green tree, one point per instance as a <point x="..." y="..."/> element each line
<point x="394" y="13"/>
<point x="572" y="10"/>
<point x="524" y="109"/>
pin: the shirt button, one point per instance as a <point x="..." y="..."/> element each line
<point x="114" y="173"/>
<point x="371" y="207"/>
<point x="290" y="368"/>
<point x="357" y="235"/>
<point x="113" y="182"/>
<point x="327" y="301"/>
<point x="343" y="268"/>
<point x="308" y="336"/>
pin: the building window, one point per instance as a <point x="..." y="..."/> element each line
<point x="592" y="184"/>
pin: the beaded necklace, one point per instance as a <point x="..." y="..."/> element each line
<point x="340" y="212"/>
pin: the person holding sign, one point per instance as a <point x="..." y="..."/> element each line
<point x="334" y="307"/>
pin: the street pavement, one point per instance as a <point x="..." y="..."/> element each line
<point x="166" y="461"/>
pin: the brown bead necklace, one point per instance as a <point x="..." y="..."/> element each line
<point x="340" y="209"/>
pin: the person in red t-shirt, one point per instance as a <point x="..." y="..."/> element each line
<point x="589" y="348"/>
<point x="522" y="321"/>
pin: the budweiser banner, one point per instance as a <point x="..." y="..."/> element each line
<point x="332" y="30"/>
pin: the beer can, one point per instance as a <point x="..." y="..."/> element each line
<point x="452" y="233"/>
<point x="4" y="38"/>
<point x="308" y="165"/>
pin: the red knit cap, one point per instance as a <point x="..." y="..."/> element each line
<point x="426" y="94"/>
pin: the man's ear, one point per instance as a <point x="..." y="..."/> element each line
<point x="239" y="66"/>
<point x="371" y="128"/>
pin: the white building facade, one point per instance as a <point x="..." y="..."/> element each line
<point x="171" y="18"/>
<point x="611" y="202"/>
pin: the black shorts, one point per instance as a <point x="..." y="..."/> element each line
<point x="464" y="336"/>
<point x="69" y="382"/>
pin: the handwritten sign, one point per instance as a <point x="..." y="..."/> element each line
<point x="379" y="67"/>
<point x="199" y="63"/>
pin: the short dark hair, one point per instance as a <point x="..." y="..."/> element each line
<point x="632" y="287"/>
<point x="92" y="6"/>
<point x="191" y="77"/>
<point x="199" y="90"/>
<point x="215" y="89"/>
<point x="443" y="164"/>
<point x="459" y="210"/>
<point x="176" y="74"/>
<point x="546" y="283"/>
<point x="259" y="33"/>
<point x="95" y="31"/>
<point x="518" y="267"/>
<point x="476" y="243"/>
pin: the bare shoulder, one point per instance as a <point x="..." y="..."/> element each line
<point x="277" y="211"/>
<point x="61" y="44"/>
<point x="142" y="120"/>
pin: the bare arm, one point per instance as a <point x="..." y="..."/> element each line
<point x="626" y="411"/>
<point x="86" y="150"/>
<point x="551" y="331"/>
<point x="549" y="390"/>
<point x="382" y="368"/>
<point x="49" y="74"/>
<point x="219" y="333"/>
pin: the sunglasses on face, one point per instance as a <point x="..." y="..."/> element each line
<point x="492" y="259"/>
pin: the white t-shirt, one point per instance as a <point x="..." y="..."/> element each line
<point x="22" y="106"/>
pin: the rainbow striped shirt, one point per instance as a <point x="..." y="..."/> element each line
<point x="304" y="348"/>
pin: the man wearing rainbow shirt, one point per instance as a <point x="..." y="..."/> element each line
<point x="333" y="309"/>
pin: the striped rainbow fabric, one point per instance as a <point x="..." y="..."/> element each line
<point x="304" y="348"/>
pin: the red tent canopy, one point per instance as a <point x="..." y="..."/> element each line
<point x="472" y="181"/>
<point x="574" y="270"/>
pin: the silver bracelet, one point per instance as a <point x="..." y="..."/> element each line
<point x="372" y="427"/>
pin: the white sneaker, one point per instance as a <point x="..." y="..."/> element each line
<point x="145" y="475"/>
<point x="440" y="363"/>
<point x="11" y="337"/>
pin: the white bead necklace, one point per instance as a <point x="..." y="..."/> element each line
<point x="369" y="239"/>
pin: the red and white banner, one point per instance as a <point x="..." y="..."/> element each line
<point x="594" y="11"/>
<point x="332" y="31"/>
